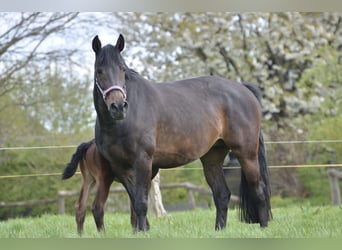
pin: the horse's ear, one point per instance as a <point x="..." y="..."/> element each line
<point x="120" y="43"/>
<point x="96" y="44"/>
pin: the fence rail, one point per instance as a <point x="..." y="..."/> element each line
<point x="334" y="177"/>
<point x="333" y="174"/>
<point x="62" y="194"/>
<point x="27" y="203"/>
<point x="190" y="188"/>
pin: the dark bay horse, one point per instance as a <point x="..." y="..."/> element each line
<point x="142" y="127"/>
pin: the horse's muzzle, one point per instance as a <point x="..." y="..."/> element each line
<point x="118" y="110"/>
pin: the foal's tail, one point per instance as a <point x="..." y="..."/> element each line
<point x="248" y="207"/>
<point x="71" y="168"/>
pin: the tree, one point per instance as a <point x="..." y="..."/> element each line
<point x="43" y="74"/>
<point x="21" y="39"/>
<point x="270" y="49"/>
<point x="44" y="100"/>
<point x="274" y="50"/>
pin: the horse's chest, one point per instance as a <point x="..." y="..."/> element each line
<point x="117" y="151"/>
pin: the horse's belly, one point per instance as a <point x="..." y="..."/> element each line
<point x="171" y="159"/>
<point x="180" y="152"/>
<point x="188" y="136"/>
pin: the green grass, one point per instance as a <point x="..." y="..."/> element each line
<point x="290" y="222"/>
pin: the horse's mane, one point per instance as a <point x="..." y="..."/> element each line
<point x="107" y="55"/>
<point x="133" y="75"/>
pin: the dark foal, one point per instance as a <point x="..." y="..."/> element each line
<point x="95" y="170"/>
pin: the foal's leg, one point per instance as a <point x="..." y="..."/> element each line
<point x="99" y="202"/>
<point x="81" y="203"/>
<point x="212" y="164"/>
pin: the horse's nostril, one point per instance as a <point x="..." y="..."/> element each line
<point x="118" y="107"/>
<point x="114" y="106"/>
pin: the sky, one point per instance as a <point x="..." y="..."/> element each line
<point x="80" y="37"/>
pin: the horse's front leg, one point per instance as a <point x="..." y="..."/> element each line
<point x="128" y="180"/>
<point x="143" y="168"/>
<point x="134" y="221"/>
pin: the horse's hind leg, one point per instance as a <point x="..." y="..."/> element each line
<point x="81" y="203"/>
<point x="253" y="193"/>
<point x="213" y="171"/>
<point x="99" y="202"/>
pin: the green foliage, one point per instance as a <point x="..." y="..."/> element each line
<point x="315" y="180"/>
<point x="327" y="129"/>
<point x="322" y="84"/>
<point x="272" y="50"/>
<point x="54" y="109"/>
<point x="316" y="185"/>
<point x="32" y="162"/>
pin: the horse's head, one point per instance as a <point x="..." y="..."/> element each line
<point x="109" y="76"/>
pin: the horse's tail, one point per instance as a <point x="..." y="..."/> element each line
<point x="71" y="168"/>
<point x="255" y="90"/>
<point x="248" y="208"/>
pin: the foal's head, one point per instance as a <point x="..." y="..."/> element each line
<point x="110" y="76"/>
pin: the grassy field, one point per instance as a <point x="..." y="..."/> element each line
<point x="290" y="222"/>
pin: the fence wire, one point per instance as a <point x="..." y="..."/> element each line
<point x="174" y="169"/>
<point x="75" y="146"/>
<point x="186" y="168"/>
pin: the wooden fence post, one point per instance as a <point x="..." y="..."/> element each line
<point x="60" y="202"/>
<point x="334" y="177"/>
<point x="191" y="198"/>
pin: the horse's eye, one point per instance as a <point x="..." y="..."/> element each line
<point x="99" y="71"/>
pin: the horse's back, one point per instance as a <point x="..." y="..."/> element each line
<point x="211" y="87"/>
<point x="210" y="96"/>
<point x="195" y="113"/>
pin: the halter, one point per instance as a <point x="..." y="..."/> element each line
<point x="111" y="88"/>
